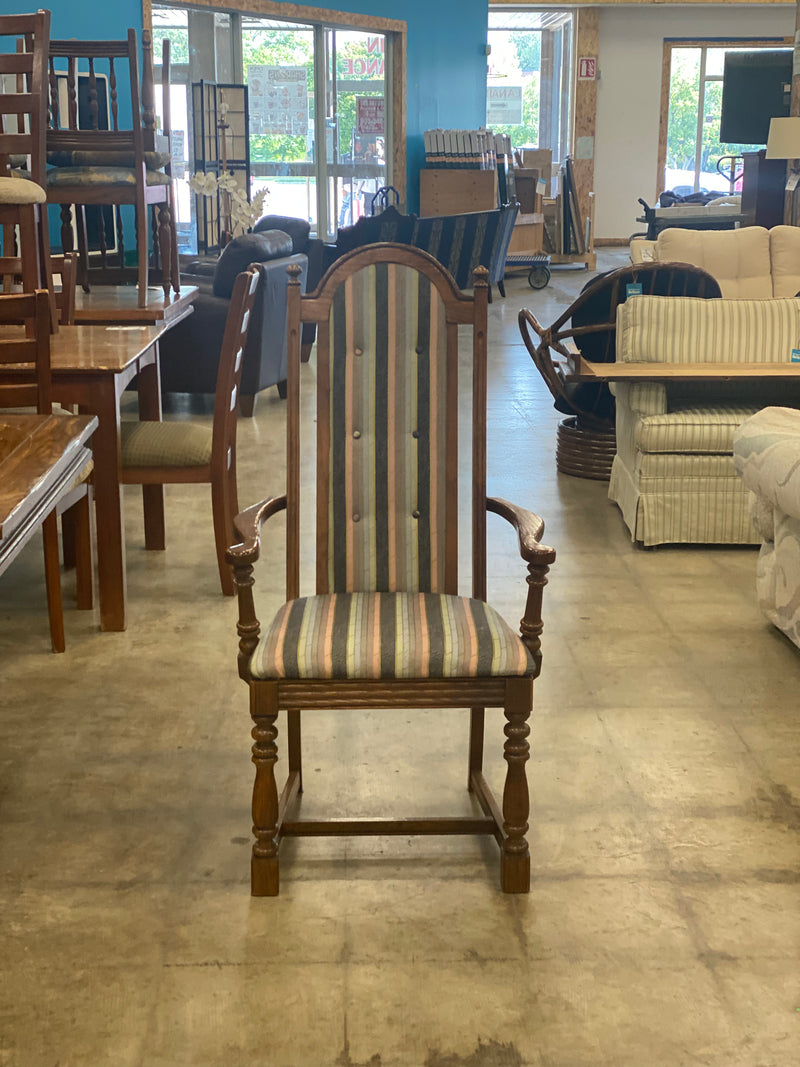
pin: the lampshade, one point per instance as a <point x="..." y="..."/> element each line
<point x="784" y="138"/>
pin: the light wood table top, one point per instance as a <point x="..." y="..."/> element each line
<point x="119" y="304"/>
<point x="107" y="349"/>
<point x="583" y="370"/>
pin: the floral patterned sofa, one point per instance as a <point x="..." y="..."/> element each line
<point x="766" y="454"/>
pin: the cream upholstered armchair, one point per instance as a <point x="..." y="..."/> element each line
<point x="673" y="475"/>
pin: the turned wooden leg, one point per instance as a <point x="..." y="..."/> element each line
<point x="264" y="874"/>
<point x="516" y="860"/>
<point x="165" y="248"/>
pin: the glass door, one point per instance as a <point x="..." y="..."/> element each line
<point x="356" y="125"/>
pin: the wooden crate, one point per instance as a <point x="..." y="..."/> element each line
<point x="454" y="192"/>
<point x="527" y="234"/>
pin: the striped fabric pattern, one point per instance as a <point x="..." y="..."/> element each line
<point x="692" y="429"/>
<point x="165" y="444"/>
<point x="676" y="469"/>
<point x="658" y="329"/>
<point x="389" y="635"/>
<point x="459" y="242"/>
<point x="387" y="413"/>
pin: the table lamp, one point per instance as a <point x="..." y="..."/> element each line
<point x="783" y="142"/>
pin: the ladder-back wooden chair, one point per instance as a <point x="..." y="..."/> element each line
<point x="115" y="166"/>
<point x="178" y="452"/>
<point x="385" y="626"/>
<point x="23" y="214"/>
<point x="586" y="441"/>
<point x="25" y="382"/>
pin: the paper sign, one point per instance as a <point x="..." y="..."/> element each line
<point x="587" y="68"/>
<point x="278" y="99"/>
<point x="503" y="105"/>
<point x="633" y="289"/>
<point x="370" y="115"/>
<point x="795" y="358"/>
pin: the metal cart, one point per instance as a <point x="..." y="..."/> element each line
<point x="536" y="263"/>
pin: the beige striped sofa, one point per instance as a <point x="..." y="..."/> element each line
<point x="750" y="263"/>
<point x="766" y="453"/>
<point x="673" y="475"/>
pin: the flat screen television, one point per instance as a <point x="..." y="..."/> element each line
<point x="756" y="87"/>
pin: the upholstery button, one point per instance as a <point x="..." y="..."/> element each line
<point x="356" y="517"/>
<point x="415" y="433"/>
<point x="358" y="351"/>
<point x="356" y="434"/>
<point x="415" y="514"/>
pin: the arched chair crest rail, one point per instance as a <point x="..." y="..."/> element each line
<point x="384" y="625"/>
<point x="586" y="438"/>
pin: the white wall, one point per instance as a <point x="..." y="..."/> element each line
<point x="629" y="94"/>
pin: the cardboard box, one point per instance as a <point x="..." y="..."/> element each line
<point x="540" y="159"/>
<point x="456" y="191"/>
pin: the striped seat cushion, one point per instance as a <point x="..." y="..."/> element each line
<point x="389" y="635"/>
<point x="165" y="444"/>
<point x="667" y="329"/>
<point x="708" y="428"/>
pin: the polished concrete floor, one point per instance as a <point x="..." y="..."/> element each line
<point x="663" y="923"/>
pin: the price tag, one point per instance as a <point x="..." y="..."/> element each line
<point x="795" y="356"/>
<point x="633" y="289"/>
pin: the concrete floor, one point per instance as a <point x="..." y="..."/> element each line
<point x="663" y="923"/>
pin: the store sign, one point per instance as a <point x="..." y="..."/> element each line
<point x="278" y="100"/>
<point x="503" y="105"/>
<point x="371" y="115"/>
<point x="587" y="68"/>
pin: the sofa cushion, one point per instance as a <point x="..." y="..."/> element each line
<point x="692" y="429"/>
<point x="298" y="229"/>
<point x="767" y="456"/>
<point x="666" y="329"/>
<point x="248" y="248"/>
<point x="784" y="250"/>
<point x="738" y="259"/>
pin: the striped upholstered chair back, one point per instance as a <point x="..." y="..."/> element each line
<point x="387" y="419"/>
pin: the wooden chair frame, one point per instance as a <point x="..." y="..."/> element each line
<point x="26" y="110"/>
<point x="220" y="472"/>
<point x="138" y="139"/>
<point x="272" y="812"/>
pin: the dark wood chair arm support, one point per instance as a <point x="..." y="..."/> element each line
<point x="241" y="558"/>
<point x="539" y="557"/>
<point x="529" y="527"/>
<point x="248" y="525"/>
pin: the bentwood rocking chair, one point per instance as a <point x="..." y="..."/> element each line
<point x="386" y="627"/>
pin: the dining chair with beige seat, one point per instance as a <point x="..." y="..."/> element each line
<point x="102" y="159"/>
<point x="176" y="452"/>
<point x="23" y="213"/>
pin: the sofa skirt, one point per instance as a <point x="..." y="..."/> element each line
<point x="675" y="510"/>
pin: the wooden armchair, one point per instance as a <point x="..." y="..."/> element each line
<point x="385" y="626"/>
<point x="586" y="439"/>
<point x="96" y="161"/>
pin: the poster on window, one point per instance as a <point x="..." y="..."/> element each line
<point x="278" y="100"/>
<point x="503" y="105"/>
<point x="370" y="115"/>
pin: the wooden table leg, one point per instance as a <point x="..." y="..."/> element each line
<point x="153" y="495"/>
<point x="108" y="504"/>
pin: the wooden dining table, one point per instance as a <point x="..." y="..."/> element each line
<point x="91" y="366"/>
<point x="40" y="458"/>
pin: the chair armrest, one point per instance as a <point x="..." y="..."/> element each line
<point x="248" y="525"/>
<point x="529" y="528"/>
<point x="242" y="557"/>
